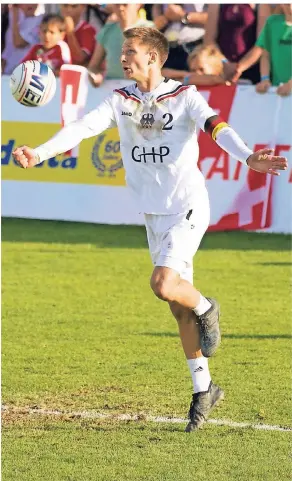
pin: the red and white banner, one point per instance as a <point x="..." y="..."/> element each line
<point x="240" y="198"/>
<point x="74" y="90"/>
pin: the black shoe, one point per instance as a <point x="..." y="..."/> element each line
<point x="210" y="337"/>
<point x="201" y="406"/>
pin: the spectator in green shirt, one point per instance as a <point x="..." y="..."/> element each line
<point x="110" y="40"/>
<point x="274" y="47"/>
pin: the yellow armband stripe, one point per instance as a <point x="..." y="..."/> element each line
<point x="217" y="129"/>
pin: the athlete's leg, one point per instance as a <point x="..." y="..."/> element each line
<point x="206" y="394"/>
<point x="188" y="330"/>
<point x="190" y="338"/>
<point x="168" y="286"/>
<point x="164" y="234"/>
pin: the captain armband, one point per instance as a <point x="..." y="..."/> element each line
<point x="213" y="125"/>
<point x="227" y="139"/>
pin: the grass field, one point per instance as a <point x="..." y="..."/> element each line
<point x="82" y="332"/>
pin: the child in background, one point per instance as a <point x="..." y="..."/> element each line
<point x="205" y="67"/>
<point x="80" y="35"/>
<point x="52" y="50"/>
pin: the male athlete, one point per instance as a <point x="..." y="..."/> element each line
<point x="158" y="122"/>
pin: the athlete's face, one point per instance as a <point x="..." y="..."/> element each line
<point x="137" y="59"/>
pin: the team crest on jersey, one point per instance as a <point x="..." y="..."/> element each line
<point x="147" y="120"/>
<point x="106" y="155"/>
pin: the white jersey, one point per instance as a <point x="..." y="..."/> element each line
<point x="158" y="140"/>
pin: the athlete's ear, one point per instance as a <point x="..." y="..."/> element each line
<point x="152" y="57"/>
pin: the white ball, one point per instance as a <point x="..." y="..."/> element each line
<point x="33" y="83"/>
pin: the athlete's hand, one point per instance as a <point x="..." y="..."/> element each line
<point x="25" y="157"/>
<point x="264" y="161"/>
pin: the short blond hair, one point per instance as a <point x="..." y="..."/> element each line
<point x="152" y="37"/>
<point x="211" y="53"/>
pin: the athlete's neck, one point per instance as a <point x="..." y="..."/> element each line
<point x="150" y="83"/>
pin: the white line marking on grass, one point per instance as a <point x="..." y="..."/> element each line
<point x="138" y="417"/>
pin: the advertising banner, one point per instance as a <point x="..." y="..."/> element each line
<point x="98" y="163"/>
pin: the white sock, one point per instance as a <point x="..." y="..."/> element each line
<point x="200" y="373"/>
<point x="203" y="306"/>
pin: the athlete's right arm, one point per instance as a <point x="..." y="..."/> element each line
<point x="92" y="124"/>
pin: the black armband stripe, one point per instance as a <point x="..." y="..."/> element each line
<point x="213" y="125"/>
<point x="211" y="122"/>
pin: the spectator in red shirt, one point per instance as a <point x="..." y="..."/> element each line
<point x="52" y="50"/>
<point x="80" y="35"/>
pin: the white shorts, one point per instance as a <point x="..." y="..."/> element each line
<point x="174" y="239"/>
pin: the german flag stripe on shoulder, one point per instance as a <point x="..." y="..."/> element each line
<point x="214" y="124"/>
<point x="124" y="93"/>
<point x="178" y="90"/>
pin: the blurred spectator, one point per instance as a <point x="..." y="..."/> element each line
<point x="148" y="10"/>
<point x="110" y="40"/>
<point x="274" y="46"/>
<point x="205" y="67"/>
<point x="184" y="27"/>
<point x="80" y="35"/>
<point x="4" y="23"/>
<point x="52" y="50"/>
<point x="22" y="33"/>
<point x="234" y="27"/>
<point x="96" y="15"/>
<point x="51" y="8"/>
<point x="264" y="11"/>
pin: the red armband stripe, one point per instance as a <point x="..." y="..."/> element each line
<point x="211" y="123"/>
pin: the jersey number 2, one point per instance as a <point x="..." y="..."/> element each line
<point x="169" y="118"/>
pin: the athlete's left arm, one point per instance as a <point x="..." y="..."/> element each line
<point x="262" y="161"/>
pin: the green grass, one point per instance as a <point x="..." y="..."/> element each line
<point x="82" y="331"/>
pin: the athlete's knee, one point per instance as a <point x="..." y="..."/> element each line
<point x="162" y="289"/>
<point x="163" y="282"/>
